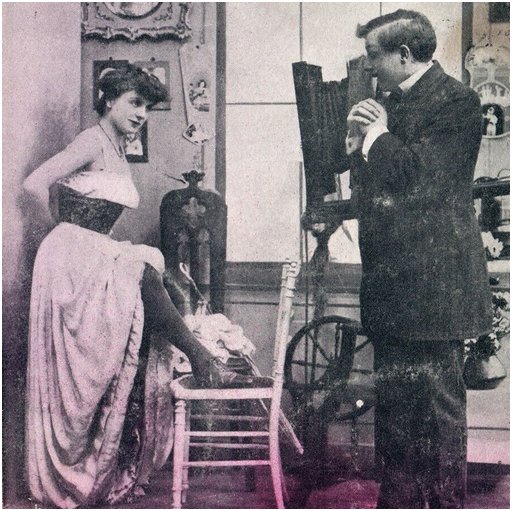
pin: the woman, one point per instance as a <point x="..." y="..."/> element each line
<point x="98" y="418"/>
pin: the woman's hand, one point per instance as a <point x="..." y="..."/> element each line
<point x="37" y="190"/>
<point x="42" y="198"/>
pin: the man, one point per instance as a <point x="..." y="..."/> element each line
<point x="424" y="277"/>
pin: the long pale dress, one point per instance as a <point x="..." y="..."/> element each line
<point x="97" y="423"/>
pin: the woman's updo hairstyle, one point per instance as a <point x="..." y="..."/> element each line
<point x="116" y="82"/>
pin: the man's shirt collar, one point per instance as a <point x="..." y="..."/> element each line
<point x="409" y="82"/>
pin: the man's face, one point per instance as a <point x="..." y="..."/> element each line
<point x="384" y="65"/>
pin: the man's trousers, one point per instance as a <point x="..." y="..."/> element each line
<point x="420" y="423"/>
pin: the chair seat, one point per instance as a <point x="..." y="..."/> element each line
<point x="256" y="437"/>
<point x="186" y="387"/>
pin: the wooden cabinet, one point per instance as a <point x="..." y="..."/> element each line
<point x="489" y="410"/>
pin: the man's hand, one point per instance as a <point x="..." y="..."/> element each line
<point x="363" y="115"/>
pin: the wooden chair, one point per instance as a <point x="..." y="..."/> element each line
<point x="264" y="429"/>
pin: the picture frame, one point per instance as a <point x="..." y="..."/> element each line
<point x="489" y="71"/>
<point x="159" y="69"/>
<point x="136" y="20"/>
<point x="491" y="197"/>
<point x="99" y="67"/>
<point x="136" y="150"/>
<point x="499" y="12"/>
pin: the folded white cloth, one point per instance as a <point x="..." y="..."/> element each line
<point x="221" y="337"/>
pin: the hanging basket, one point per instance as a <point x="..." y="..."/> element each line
<point x="483" y="373"/>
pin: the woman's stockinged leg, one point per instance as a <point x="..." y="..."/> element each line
<point x="161" y="315"/>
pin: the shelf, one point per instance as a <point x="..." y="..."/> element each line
<point x="491" y="188"/>
<point x="337" y="211"/>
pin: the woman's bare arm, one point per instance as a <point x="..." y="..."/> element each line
<point x="85" y="149"/>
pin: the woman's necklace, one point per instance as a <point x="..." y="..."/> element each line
<point x="119" y="150"/>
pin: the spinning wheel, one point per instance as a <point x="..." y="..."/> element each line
<point x="323" y="374"/>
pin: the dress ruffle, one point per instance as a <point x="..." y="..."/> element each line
<point x="86" y="325"/>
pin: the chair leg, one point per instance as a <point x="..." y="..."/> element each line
<point x="275" y="469"/>
<point x="250" y="479"/>
<point x="286" y="495"/>
<point x="186" y="454"/>
<point x="246" y="408"/>
<point x="179" y="451"/>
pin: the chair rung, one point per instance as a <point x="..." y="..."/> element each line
<point x="219" y="417"/>
<point x="227" y="433"/>
<point x="226" y="463"/>
<point x="221" y="445"/>
<point x="224" y="394"/>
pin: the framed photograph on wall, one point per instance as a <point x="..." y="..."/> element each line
<point x="136" y="148"/>
<point x="499" y="12"/>
<point x="100" y="67"/>
<point x="159" y="69"/>
<point x="133" y="21"/>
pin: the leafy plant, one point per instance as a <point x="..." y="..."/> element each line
<point x="488" y="345"/>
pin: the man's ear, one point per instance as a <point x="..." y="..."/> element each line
<point x="405" y="53"/>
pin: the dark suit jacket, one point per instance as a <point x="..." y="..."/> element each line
<point x="424" y="267"/>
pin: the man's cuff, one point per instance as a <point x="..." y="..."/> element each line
<point x="353" y="143"/>
<point x="373" y="134"/>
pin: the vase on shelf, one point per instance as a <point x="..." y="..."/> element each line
<point x="193" y="230"/>
<point x="483" y="373"/>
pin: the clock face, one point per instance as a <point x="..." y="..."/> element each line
<point x="132" y="10"/>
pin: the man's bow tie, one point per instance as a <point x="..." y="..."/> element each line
<point x="395" y="96"/>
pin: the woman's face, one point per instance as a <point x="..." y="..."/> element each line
<point x="128" y="112"/>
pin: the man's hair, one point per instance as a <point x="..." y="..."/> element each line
<point x="403" y="27"/>
<point x="116" y="82"/>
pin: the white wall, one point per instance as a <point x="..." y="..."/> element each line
<point x="263" y="152"/>
<point x="41" y="92"/>
<point x="262" y="132"/>
<point x="41" y="98"/>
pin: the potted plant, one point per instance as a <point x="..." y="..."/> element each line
<point x="483" y="370"/>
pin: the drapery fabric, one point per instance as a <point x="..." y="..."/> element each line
<point x="86" y="329"/>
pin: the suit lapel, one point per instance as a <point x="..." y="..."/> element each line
<point x="426" y="83"/>
<point x="421" y="89"/>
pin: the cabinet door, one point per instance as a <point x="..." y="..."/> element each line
<point x="488" y="418"/>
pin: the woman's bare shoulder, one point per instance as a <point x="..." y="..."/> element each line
<point x="88" y="140"/>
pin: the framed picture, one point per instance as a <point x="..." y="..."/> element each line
<point x="489" y="70"/>
<point x="492" y="207"/>
<point x="159" y="69"/>
<point x="136" y="148"/>
<point x="196" y="64"/>
<point x="135" y="20"/>
<point x="100" y="67"/>
<point x="499" y="12"/>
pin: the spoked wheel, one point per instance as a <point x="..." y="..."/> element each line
<point x="322" y="376"/>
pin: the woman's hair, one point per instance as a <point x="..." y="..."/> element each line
<point x="403" y="27"/>
<point x="116" y="82"/>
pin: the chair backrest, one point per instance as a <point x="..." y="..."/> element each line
<point x="289" y="276"/>
<point x="284" y="276"/>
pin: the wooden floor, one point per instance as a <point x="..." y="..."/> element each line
<point x="488" y="488"/>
